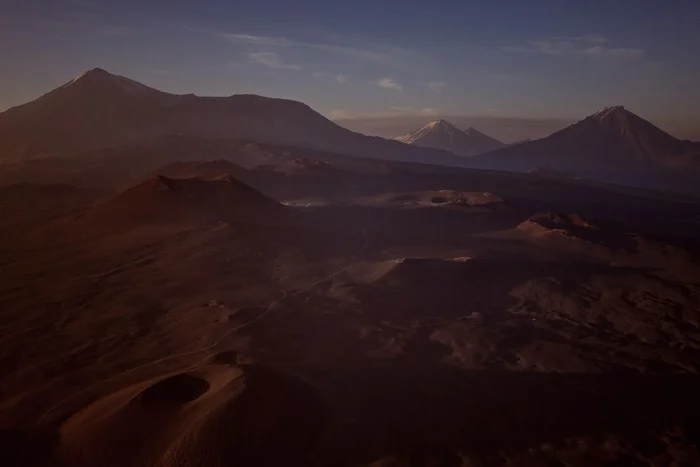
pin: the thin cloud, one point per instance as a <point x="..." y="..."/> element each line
<point x="588" y="45"/>
<point x="257" y="40"/>
<point x="549" y="47"/>
<point x="428" y="112"/>
<point x="272" y="60"/>
<point x="341" y="114"/>
<point x="267" y="41"/>
<point x="587" y="38"/>
<point x="621" y="52"/>
<point x="389" y="83"/>
<point x="437" y="86"/>
<point x="339" y="78"/>
<point x="337" y="45"/>
<point x="391" y="112"/>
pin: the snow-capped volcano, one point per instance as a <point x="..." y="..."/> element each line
<point x="441" y="134"/>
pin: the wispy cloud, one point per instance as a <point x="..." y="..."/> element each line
<point x="391" y="112"/>
<point x="429" y="112"/>
<point x="340" y="78"/>
<point x="350" y="48"/>
<point x="267" y="41"/>
<point x="588" y="45"/>
<point x="341" y="114"/>
<point x="437" y="86"/>
<point x="389" y="83"/>
<point x="621" y="52"/>
<point x="256" y="40"/>
<point x="272" y="60"/>
<point x="587" y="38"/>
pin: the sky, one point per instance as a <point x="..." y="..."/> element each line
<point x="375" y="60"/>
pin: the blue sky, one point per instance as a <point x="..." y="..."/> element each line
<point x="535" y="59"/>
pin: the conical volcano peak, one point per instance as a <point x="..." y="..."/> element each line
<point x="615" y="111"/>
<point x="619" y="119"/>
<point x="440" y="124"/>
<point x="97" y="72"/>
<point x="93" y="75"/>
<point x="612" y="140"/>
<point x="98" y="78"/>
<point x="441" y="134"/>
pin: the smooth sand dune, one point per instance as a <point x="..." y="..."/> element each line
<point x="218" y="415"/>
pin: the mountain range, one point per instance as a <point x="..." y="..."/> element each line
<point x="441" y="134"/>
<point x="99" y="109"/>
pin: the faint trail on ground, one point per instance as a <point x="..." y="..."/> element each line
<point x="285" y="295"/>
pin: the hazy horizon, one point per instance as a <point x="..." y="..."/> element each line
<point x="505" y="129"/>
<point x="359" y="62"/>
<point x="397" y="121"/>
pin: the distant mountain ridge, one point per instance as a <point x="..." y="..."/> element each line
<point x="612" y="145"/>
<point x="99" y="109"/>
<point x="441" y="134"/>
<point x="613" y="139"/>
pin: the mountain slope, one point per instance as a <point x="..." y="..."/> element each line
<point x="98" y="110"/>
<point x="612" y="140"/>
<point x="440" y="134"/>
<point x="482" y="142"/>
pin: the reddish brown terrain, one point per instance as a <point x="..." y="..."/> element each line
<point x="190" y="301"/>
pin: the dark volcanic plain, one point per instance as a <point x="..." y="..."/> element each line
<point x="192" y="301"/>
